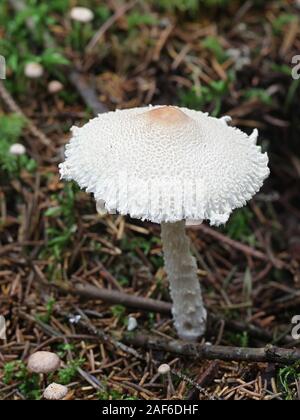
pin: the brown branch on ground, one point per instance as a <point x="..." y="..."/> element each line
<point x="86" y="324"/>
<point x="152" y="305"/>
<point x="270" y="354"/>
<point x="116" y="297"/>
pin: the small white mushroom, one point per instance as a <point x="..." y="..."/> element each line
<point x="168" y="165"/>
<point x="55" y="86"/>
<point x="17" y="149"/>
<point x="164" y="369"/>
<point x="132" y="323"/>
<point x="82" y="14"/>
<point x="43" y="362"/>
<point x="33" y="70"/>
<point x="55" y="392"/>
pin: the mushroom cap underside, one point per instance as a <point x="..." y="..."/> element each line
<point x="166" y="164"/>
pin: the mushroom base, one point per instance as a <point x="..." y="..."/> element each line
<point x="188" y="309"/>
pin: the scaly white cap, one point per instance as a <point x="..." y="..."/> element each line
<point x="166" y="164"/>
<point x="43" y="362"/>
<point x="55" y="392"/>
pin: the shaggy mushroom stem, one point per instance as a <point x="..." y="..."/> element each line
<point x="188" y="309"/>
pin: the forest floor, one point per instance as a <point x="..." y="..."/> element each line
<point x="234" y="58"/>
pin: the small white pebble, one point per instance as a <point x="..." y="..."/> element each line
<point x="132" y="324"/>
<point x="55" y="86"/>
<point x="82" y="14"/>
<point x="164" y="369"/>
<point x="17" y="149"/>
<point x="33" y="70"/>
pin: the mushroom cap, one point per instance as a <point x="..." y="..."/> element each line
<point x="43" y="362"/>
<point x="164" y="369"/>
<point x="55" y="392"/>
<point x="33" y="70"/>
<point x="17" y="149"/>
<point x="166" y="164"/>
<point x="55" y="86"/>
<point x="82" y="14"/>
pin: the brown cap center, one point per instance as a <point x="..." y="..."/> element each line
<point x="167" y="115"/>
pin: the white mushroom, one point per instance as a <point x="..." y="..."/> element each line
<point x="82" y="14"/>
<point x="55" y="392"/>
<point x="55" y="86"/>
<point x="43" y="362"/>
<point x="168" y="165"/>
<point x="33" y="70"/>
<point x="164" y="369"/>
<point x="132" y="323"/>
<point x="17" y="149"/>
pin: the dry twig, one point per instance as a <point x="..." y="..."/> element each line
<point x="268" y="354"/>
